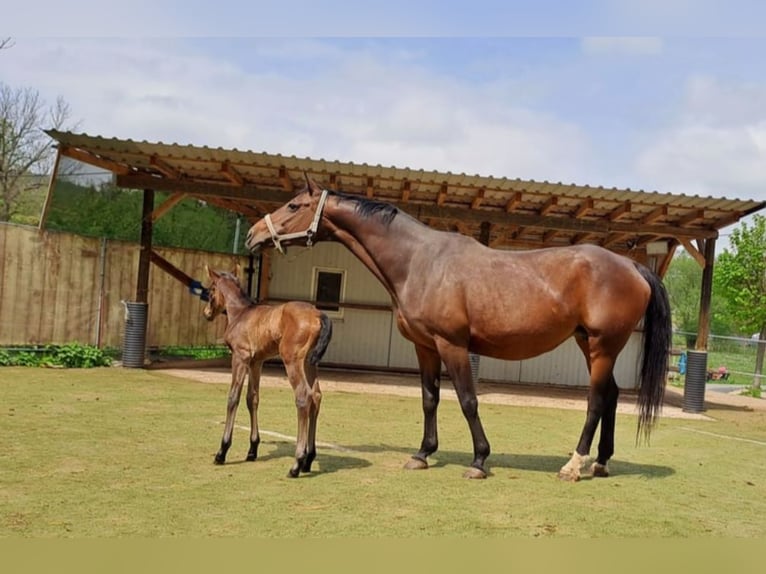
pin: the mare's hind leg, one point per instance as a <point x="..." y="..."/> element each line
<point x="253" y="399"/>
<point x="430" y="366"/>
<point x="238" y="373"/>
<point x="602" y="407"/>
<point x="316" y="401"/>
<point x="303" y="400"/>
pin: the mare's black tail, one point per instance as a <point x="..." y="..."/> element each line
<point x="658" y="333"/>
<point x="325" y="334"/>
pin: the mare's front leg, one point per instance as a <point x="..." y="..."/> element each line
<point x="238" y="372"/>
<point x="430" y="367"/>
<point x="253" y="399"/>
<point x="459" y="367"/>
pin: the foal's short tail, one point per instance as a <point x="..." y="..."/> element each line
<point x="657" y="340"/>
<point x="325" y="334"/>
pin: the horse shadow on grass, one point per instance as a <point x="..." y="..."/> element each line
<point x="531" y="462"/>
<point x="326" y="462"/>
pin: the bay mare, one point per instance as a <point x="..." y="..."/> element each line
<point x="452" y="295"/>
<point x="295" y="331"/>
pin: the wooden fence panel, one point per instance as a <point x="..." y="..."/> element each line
<point x="59" y="288"/>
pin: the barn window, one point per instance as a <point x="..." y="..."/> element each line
<point x="329" y="287"/>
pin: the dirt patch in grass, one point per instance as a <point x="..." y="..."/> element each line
<point x="574" y="398"/>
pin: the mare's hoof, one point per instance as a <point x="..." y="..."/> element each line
<point x="416" y="464"/>
<point x="568" y="475"/>
<point x="599" y="470"/>
<point x="474" y="472"/>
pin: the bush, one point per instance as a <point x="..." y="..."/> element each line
<point x="72" y="355"/>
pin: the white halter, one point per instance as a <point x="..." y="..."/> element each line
<point x="309" y="233"/>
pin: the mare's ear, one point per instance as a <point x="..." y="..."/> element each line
<point x="311" y="185"/>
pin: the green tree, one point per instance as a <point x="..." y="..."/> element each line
<point x="684" y="283"/>
<point x="741" y="278"/>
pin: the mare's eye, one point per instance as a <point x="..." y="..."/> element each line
<point x="292" y="207"/>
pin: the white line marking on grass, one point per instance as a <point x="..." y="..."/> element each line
<point x="293" y="439"/>
<point x="752" y="441"/>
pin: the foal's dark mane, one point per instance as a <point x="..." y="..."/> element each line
<point x="369" y="207"/>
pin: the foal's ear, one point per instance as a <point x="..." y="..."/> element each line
<point x="211" y="274"/>
<point x="237" y="270"/>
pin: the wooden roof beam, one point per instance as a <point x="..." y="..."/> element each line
<point x="550" y="234"/>
<point x="167" y="205"/>
<point x="96" y="160"/>
<point x="334" y="182"/>
<point x="513" y="202"/>
<point x="585" y="206"/>
<point x="691" y="216"/>
<point x="691" y="250"/>
<point x="580" y="238"/>
<point x="478" y="199"/>
<point x="613" y="238"/>
<point x="654" y="215"/>
<point x="285" y="180"/>
<point x="619" y="211"/>
<point x="549" y="205"/>
<point x="164" y="167"/>
<point x="405" y="191"/>
<point x="442" y="197"/>
<point x="231" y="173"/>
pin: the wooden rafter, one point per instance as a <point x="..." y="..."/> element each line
<point x="164" y="167"/>
<point x="654" y="215"/>
<point x="585" y="206"/>
<point x="405" y="191"/>
<point x="691" y="250"/>
<point x="442" y="197"/>
<point x="580" y="238"/>
<point x="613" y="238"/>
<point x="478" y="198"/>
<point x="619" y="211"/>
<point x="91" y="159"/>
<point x="167" y="205"/>
<point x="231" y="173"/>
<point x="285" y="180"/>
<point x="549" y="204"/>
<point x="513" y="202"/>
<point x="549" y="235"/>
<point x="691" y="216"/>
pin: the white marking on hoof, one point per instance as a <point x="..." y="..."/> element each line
<point x="571" y="470"/>
<point x="474" y="472"/>
<point x="416" y="464"/>
<point x="599" y="470"/>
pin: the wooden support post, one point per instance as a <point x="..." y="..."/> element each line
<point x="703" y="330"/>
<point x="144" y="259"/>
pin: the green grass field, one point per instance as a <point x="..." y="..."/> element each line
<point x="122" y="453"/>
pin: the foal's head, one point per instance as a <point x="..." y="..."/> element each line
<point x="219" y="280"/>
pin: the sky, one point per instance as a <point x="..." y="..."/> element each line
<point x="654" y="95"/>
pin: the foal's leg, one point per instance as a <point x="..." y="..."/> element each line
<point x="303" y="400"/>
<point x="253" y="399"/>
<point x="456" y="360"/>
<point x="602" y="407"/>
<point x="430" y="367"/>
<point x="238" y="373"/>
<point x="316" y="401"/>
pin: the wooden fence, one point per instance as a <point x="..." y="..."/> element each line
<point x="61" y="288"/>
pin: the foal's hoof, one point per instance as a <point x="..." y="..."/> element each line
<point x="416" y="464"/>
<point x="474" y="472"/>
<point x="599" y="470"/>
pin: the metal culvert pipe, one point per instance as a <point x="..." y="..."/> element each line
<point x="694" y="385"/>
<point x="134" y="342"/>
<point x="473" y="359"/>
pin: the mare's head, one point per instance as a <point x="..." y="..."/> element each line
<point x="221" y="282"/>
<point x="295" y="223"/>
